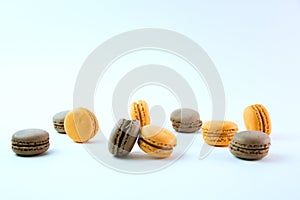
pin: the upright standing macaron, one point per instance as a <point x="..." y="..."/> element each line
<point x="250" y="145"/>
<point x="256" y="117"/>
<point x="59" y="121"/>
<point x="123" y="137"/>
<point x="30" y="142"/>
<point x="81" y="125"/>
<point x="140" y="111"/>
<point x="219" y="133"/>
<point x="186" y="120"/>
<point x="156" y="141"/>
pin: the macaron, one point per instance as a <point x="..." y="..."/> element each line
<point x="30" y="142"/>
<point x="156" y="141"/>
<point x="250" y="145"/>
<point x="123" y="137"/>
<point x="81" y="125"/>
<point x="186" y="120"/>
<point x="140" y="111"/>
<point x="256" y="117"/>
<point x="58" y="121"/>
<point x="219" y="133"/>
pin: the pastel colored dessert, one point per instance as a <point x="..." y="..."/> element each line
<point x="140" y="111"/>
<point x="250" y="145"/>
<point x="256" y="117"/>
<point x="186" y="120"/>
<point x="123" y="137"/>
<point x="81" y="125"/>
<point x="58" y="121"/>
<point x="30" y="142"/>
<point x="156" y="141"/>
<point x="219" y="133"/>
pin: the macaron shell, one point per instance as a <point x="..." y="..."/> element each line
<point x="134" y="111"/>
<point x="81" y="125"/>
<point x="159" y="136"/>
<point x="144" y="112"/>
<point x="221" y="140"/>
<point x="220" y="126"/>
<point x="265" y="117"/>
<point x="154" y="151"/>
<point x="253" y="119"/>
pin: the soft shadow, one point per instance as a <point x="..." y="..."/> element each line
<point x="274" y="158"/>
<point x="36" y="156"/>
<point x="139" y="156"/>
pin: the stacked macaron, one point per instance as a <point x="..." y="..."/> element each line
<point x="155" y="141"/>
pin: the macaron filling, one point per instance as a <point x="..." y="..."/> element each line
<point x="156" y="146"/>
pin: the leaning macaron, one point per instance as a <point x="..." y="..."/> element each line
<point x="59" y="121"/>
<point x="81" y="125"/>
<point x="256" y="117"/>
<point x="30" y="142"/>
<point x="250" y="145"/>
<point x="123" y="137"/>
<point x="140" y="111"/>
<point x="219" y="133"/>
<point x="186" y="120"/>
<point x="156" y="141"/>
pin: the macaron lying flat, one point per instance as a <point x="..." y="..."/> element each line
<point x="219" y="133"/>
<point x="250" y="145"/>
<point x="140" y="111"/>
<point x="186" y="120"/>
<point x="256" y="117"/>
<point x="30" y="142"/>
<point x="123" y="137"/>
<point x="58" y="121"/>
<point x="156" y="141"/>
<point x="81" y="125"/>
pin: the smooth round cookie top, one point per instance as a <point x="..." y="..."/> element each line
<point x="252" y="138"/>
<point x="220" y="126"/>
<point x="81" y="125"/>
<point x="30" y="135"/>
<point x="158" y="136"/>
<point x="185" y="115"/>
<point x="60" y="116"/>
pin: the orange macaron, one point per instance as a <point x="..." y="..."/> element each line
<point x="140" y="111"/>
<point x="81" y="125"/>
<point x="257" y="118"/>
<point x="219" y="133"/>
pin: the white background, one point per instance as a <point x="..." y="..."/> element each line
<point x="255" y="46"/>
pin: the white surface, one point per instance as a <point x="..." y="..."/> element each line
<point x="254" y="45"/>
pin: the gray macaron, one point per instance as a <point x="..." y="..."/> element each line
<point x="250" y="145"/>
<point x="123" y="137"/>
<point x="58" y="121"/>
<point x="186" y="120"/>
<point x="30" y="142"/>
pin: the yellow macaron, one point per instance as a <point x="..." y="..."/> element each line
<point x="81" y="125"/>
<point x="140" y="111"/>
<point x="219" y="133"/>
<point x="156" y="141"/>
<point x="257" y="118"/>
